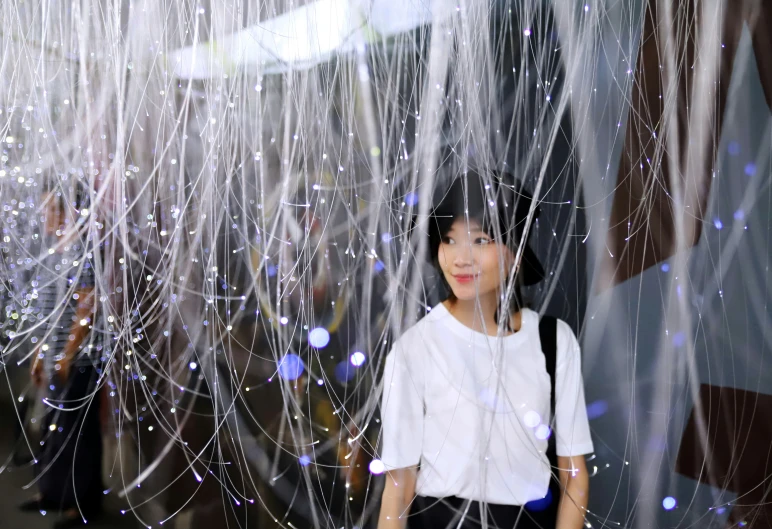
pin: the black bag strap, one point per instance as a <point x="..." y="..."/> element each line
<point x="548" y="334"/>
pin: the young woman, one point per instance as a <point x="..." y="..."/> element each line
<point x="467" y="396"/>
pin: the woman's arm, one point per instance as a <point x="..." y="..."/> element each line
<point x="575" y="484"/>
<point x="398" y="494"/>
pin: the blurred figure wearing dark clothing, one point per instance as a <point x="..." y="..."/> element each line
<point x="67" y="365"/>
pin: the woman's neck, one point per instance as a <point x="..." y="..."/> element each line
<point x="480" y="314"/>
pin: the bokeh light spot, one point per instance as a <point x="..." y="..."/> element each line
<point x="319" y="337"/>
<point x="291" y="367"/>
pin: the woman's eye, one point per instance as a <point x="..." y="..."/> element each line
<point x="482" y="240"/>
<point x="448" y="240"/>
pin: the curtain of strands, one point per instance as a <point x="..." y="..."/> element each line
<point x="250" y="178"/>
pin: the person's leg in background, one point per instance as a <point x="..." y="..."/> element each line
<point x="71" y="463"/>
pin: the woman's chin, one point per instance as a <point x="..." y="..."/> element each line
<point x="467" y="293"/>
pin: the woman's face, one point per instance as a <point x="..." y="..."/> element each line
<point x="472" y="263"/>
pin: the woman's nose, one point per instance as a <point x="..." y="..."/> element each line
<point x="463" y="257"/>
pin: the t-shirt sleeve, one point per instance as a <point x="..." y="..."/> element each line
<point x="571" y="423"/>
<point x="402" y="409"/>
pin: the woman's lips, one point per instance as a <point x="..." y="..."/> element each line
<point x="464" y="278"/>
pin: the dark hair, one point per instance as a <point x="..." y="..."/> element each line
<point x="501" y="206"/>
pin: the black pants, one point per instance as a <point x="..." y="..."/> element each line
<point x="434" y="513"/>
<point x="70" y="462"/>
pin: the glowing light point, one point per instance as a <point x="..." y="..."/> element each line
<point x="192" y="366"/>
<point x="304" y="460"/>
<point x="531" y="419"/>
<point x="291" y="367"/>
<point x="284" y="320"/>
<point x="669" y="503"/>
<point x="527" y="32"/>
<point x="543" y="432"/>
<point x="377" y="467"/>
<point x="319" y="337"/>
<point x="357" y="358"/>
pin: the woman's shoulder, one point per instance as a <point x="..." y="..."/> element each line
<point x="416" y="336"/>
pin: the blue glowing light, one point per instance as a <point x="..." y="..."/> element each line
<point x="540" y="505"/>
<point x="357" y="358"/>
<point x="304" y="460"/>
<point x="669" y="503"/>
<point x="344" y="372"/>
<point x="718" y="224"/>
<point x="271" y="270"/>
<point x="665" y="267"/>
<point x="543" y="432"/>
<point x="379" y="266"/>
<point x="386" y="238"/>
<point x="739" y="215"/>
<point x="319" y="337"/>
<point x="291" y="367"/>
<point x="411" y="199"/>
<point x="733" y="148"/>
<point x="750" y="168"/>
<point x="597" y="409"/>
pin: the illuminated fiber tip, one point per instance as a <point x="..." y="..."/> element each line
<point x="669" y="503"/>
<point x="291" y="367"/>
<point x="377" y="467"/>
<point x="357" y="358"/>
<point x="304" y="460"/>
<point x="319" y="337"/>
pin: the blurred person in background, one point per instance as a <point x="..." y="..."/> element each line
<point x="65" y="365"/>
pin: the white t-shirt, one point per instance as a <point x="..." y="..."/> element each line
<point x="473" y="410"/>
